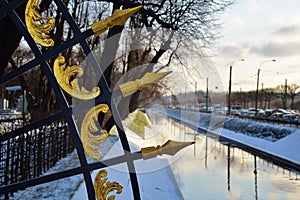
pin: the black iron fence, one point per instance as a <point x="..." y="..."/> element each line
<point x="39" y="145"/>
<point x="32" y="153"/>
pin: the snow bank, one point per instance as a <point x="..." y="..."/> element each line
<point x="213" y="122"/>
<point x="257" y="129"/>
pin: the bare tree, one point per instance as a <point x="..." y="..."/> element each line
<point x="282" y="91"/>
<point x="196" y="20"/>
<point x="292" y="90"/>
<point x="40" y="95"/>
<point x="269" y="95"/>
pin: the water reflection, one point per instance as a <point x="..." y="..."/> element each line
<point x="212" y="170"/>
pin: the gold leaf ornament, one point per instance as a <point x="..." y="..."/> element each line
<point x="169" y="148"/>
<point x="65" y="77"/>
<point x="147" y="80"/>
<point x="103" y="187"/>
<point x="91" y="136"/>
<point x="38" y="27"/>
<point x="118" y="18"/>
<point x="138" y="123"/>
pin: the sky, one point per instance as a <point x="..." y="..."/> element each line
<point x="257" y="31"/>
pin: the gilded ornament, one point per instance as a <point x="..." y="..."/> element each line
<point x="38" y="27"/>
<point x="118" y="18"/>
<point x="147" y="80"/>
<point x="168" y="148"/>
<point x="138" y="123"/>
<point x="92" y="135"/>
<point x="103" y="187"/>
<point x="65" y="78"/>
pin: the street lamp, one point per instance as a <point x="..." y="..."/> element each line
<point x="206" y="96"/>
<point x="257" y="84"/>
<point x="285" y="90"/>
<point x="229" y="89"/>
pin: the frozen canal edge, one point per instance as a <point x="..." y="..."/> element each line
<point x="284" y="152"/>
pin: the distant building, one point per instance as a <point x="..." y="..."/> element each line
<point x="20" y="105"/>
<point x="3" y="104"/>
<point x="14" y="99"/>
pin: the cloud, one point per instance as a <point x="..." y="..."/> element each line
<point x="233" y="50"/>
<point x="293" y="68"/>
<point x="293" y="30"/>
<point x="283" y="42"/>
<point x="254" y="6"/>
<point x="277" y="49"/>
<point x="236" y="22"/>
<point x="245" y="81"/>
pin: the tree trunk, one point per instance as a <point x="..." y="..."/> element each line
<point x="292" y="102"/>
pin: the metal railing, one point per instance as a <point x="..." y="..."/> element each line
<point x="32" y="153"/>
<point x="30" y="139"/>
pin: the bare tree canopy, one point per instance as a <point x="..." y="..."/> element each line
<point x="195" y="20"/>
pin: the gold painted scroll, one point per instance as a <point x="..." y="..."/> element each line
<point x="38" y="27"/>
<point x="103" y="187"/>
<point x="65" y="77"/>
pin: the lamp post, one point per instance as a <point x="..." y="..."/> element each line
<point x="229" y="89"/>
<point x="206" y="96"/>
<point x="257" y="84"/>
<point x="285" y="90"/>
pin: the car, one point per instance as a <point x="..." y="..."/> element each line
<point x="276" y="115"/>
<point x="268" y="112"/>
<point x="281" y="111"/>
<point x="235" y="112"/>
<point x="244" y="112"/>
<point x="252" y="112"/>
<point x="203" y="109"/>
<point x="218" y="109"/>
<point x="289" y="118"/>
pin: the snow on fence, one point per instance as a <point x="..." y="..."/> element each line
<point x="32" y="153"/>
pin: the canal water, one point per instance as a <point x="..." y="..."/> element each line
<point x="211" y="170"/>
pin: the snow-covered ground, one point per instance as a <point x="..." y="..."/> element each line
<point x="63" y="188"/>
<point x="166" y="188"/>
<point x="152" y="183"/>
